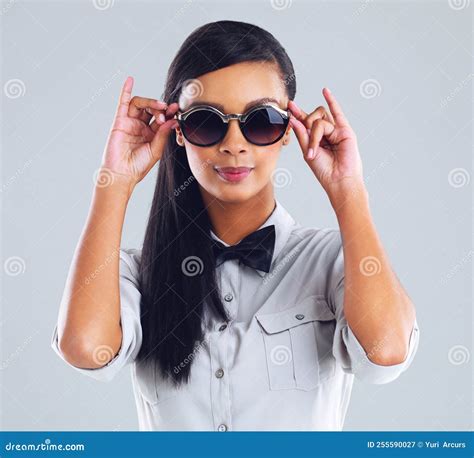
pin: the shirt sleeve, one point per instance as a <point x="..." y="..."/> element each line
<point x="347" y="350"/>
<point x="129" y="320"/>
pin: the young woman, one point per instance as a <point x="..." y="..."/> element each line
<point x="232" y="315"/>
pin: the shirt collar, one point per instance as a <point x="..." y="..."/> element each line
<point x="283" y="222"/>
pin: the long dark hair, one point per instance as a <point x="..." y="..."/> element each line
<point x="177" y="269"/>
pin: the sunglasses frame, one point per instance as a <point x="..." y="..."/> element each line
<point x="241" y="117"/>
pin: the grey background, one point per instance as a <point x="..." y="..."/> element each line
<point x="414" y="125"/>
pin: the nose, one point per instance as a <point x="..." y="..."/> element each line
<point x="234" y="142"/>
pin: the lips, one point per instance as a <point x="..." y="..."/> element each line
<point x="233" y="174"/>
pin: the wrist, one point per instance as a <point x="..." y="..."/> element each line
<point x="349" y="194"/>
<point x="110" y="182"/>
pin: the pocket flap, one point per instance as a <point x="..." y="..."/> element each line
<point x="312" y="308"/>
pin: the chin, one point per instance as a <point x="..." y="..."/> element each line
<point x="232" y="193"/>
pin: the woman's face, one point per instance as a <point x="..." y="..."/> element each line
<point x="231" y="89"/>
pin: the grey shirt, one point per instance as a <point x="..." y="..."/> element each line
<point x="286" y="360"/>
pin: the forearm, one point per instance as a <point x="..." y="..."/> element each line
<point x="89" y="318"/>
<point x="376" y="306"/>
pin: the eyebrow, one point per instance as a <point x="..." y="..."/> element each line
<point x="247" y="107"/>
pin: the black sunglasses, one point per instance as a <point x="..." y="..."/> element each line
<point x="205" y="125"/>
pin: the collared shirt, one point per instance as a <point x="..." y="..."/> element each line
<point x="285" y="361"/>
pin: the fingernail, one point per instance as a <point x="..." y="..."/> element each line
<point x="310" y="153"/>
<point x="161" y="117"/>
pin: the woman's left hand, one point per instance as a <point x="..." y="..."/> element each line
<point x="329" y="145"/>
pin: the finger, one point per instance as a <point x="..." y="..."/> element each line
<point x="336" y="110"/>
<point x="319" y="113"/>
<point x="158" y="118"/>
<point x="172" y="109"/>
<point x="125" y="96"/>
<point x="158" y="143"/>
<point x="320" y="128"/>
<point x="298" y="112"/>
<point x="156" y="124"/>
<point x="138" y="105"/>
<point x="301" y="133"/>
<point x="161" y="118"/>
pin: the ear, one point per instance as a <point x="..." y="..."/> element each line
<point x="287" y="136"/>
<point x="179" y="136"/>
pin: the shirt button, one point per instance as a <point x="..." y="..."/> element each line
<point x="222" y="427"/>
<point x="300" y="316"/>
<point x="222" y="327"/>
<point x="220" y="373"/>
<point x="228" y="297"/>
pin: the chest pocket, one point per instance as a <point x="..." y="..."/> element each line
<point x="298" y="344"/>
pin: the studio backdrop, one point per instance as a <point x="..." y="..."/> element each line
<point x="400" y="70"/>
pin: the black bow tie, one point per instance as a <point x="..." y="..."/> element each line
<point x="255" y="250"/>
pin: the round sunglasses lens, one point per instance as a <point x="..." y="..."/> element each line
<point x="203" y="128"/>
<point x="264" y="126"/>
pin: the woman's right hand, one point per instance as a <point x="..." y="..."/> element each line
<point x="134" y="144"/>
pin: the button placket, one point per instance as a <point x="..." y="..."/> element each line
<point x="220" y="342"/>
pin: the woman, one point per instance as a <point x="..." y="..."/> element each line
<point x="233" y="315"/>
